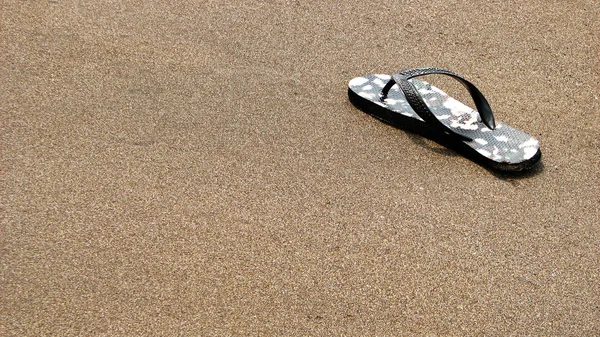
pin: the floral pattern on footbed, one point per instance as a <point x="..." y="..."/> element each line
<point x="504" y="144"/>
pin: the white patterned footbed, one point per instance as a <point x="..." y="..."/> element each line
<point x="503" y="144"/>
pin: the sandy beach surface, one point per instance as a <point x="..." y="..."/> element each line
<point x="194" y="168"/>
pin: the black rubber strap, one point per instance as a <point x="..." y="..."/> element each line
<point x="416" y="101"/>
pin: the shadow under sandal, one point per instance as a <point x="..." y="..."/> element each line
<point x="414" y="105"/>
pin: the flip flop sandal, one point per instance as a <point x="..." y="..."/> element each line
<point x="414" y="105"/>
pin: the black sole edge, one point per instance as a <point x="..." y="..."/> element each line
<point x="418" y="127"/>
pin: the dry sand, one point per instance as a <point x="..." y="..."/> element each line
<point x="195" y="169"/>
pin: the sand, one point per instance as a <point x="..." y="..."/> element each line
<point x="196" y="169"/>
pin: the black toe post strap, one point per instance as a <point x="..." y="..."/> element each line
<point x="416" y="101"/>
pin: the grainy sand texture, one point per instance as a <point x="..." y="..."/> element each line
<point x="194" y="168"/>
